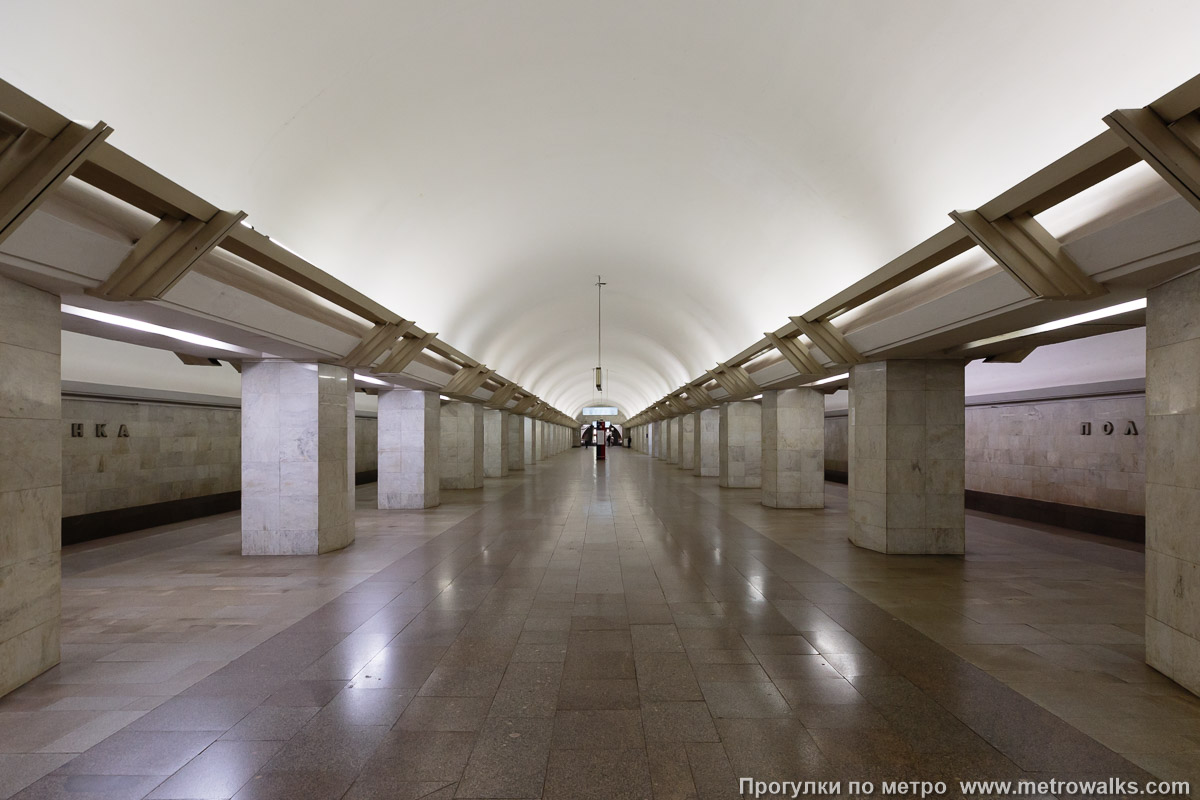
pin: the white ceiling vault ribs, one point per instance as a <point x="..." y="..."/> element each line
<point x="40" y="150"/>
<point x="1165" y="134"/>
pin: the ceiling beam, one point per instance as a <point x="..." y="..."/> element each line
<point x="164" y="255"/>
<point x="374" y="344"/>
<point x="796" y="354"/>
<point x="501" y="396"/>
<point x="833" y="344"/>
<point x="699" y="396"/>
<point x="402" y="354"/>
<point x="1030" y="254"/>
<point x="32" y="166"/>
<point x="1173" y="151"/>
<point x="467" y="380"/>
<point x="524" y="405"/>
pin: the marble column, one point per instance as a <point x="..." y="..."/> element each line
<point x="30" y="483"/>
<point x="462" y="446"/>
<point x="542" y="444"/>
<point x="1173" y="480"/>
<point x="741" y="445"/>
<point x="673" y="440"/>
<point x="410" y="444"/>
<point x="907" y="452"/>
<point x="351" y="432"/>
<point x="707" y="443"/>
<point x="530" y="426"/>
<point x="687" y="447"/>
<point x="295" y="489"/>
<point x="516" y="442"/>
<point x="660" y="429"/>
<point x="495" y="443"/>
<point x="793" y="448"/>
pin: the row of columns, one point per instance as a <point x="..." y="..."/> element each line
<point x="298" y="453"/>
<point x="907" y="452"/>
<point x="906" y="463"/>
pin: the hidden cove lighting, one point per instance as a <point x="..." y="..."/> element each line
<point x="1065" y="322"/>
<point x="158" y="330"/>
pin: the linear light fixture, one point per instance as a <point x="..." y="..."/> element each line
<point x="159" y="330"/>
<point x="830" y="379"/>
<point x="369" y="379"/>
<point x="1058" y="324"/>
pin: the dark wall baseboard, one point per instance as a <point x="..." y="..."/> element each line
<point x="87" y="527"/>
<point x="1129" y="527"/>
<point x="97" y="525"/>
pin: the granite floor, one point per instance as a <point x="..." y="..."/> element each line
<point x="621" y="630"/>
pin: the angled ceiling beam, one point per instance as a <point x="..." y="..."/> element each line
<point x="375" y="343"/>
<point x="677" y="403"/>
<point x="1011" y="357"/>
<point x="198" y="361"/>
<point x="1173" y="150"/>
<point x="524" y="405"/>
<point x="796" y="354"/>
<point x="467" y="380"/>
<point x="699" y="396"/>
<point x="735" y="381"/>
<point x="501" y="396"/>
<point x="1030" y="254"/>
<point x="824" y="335"/>
<point x="32" y="166"/>
<point x="402" y="354"/>
<point x="261" y="250"/>
<point x="162" y="257"/>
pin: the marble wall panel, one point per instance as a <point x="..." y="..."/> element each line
<point x="793" y="448"/>
<point x="462" y="446"/>
<point x="295" y="459"/>
<point x="687" y="442"/>
<point x="1173" y="480"/>
<point x="516" y="442"/>
<point x="906" y="451"/>
<point x="740" y="445"/>
<point x="706" y="458"/>
<point x="495" y="443"/>
<point x="409" y="436"/>
<point x="30" y="483"/>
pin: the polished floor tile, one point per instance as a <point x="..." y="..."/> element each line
<point x="584" y="630"/>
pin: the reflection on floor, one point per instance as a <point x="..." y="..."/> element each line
<point x="612" y="630"/>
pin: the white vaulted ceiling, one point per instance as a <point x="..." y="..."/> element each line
<point x="474" y="165"/>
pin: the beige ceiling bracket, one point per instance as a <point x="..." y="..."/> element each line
<point x="402" y="354"/>
<point x="501" y="396"/>
<point x="796" y="354"/>
<point x="525" y="404"/>
<point x="1029" y="253"/>
<point x="699" y="396"/>
<point x="467" y="380"/>
<point x="375" y="343"/>
<point x="1173" y="151"/>
<point x="678" y="404"/>
<point x="824" y="335"/>
<point x="165" y="254"/>
<point x="32" y="166"/>
<point x="735" y="380"/>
